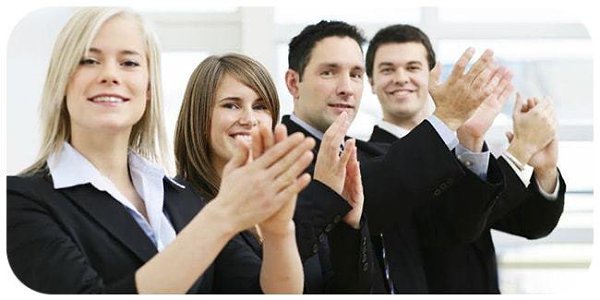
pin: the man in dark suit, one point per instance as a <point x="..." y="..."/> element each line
<point x="417" y="191"/>
<point x="399" y="60"/>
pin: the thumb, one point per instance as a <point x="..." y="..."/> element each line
<point x="518" y="104"/>
<point x="240" y="156"/>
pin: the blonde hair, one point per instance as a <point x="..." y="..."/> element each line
<point x="192" y="132"/>
<point x="147" y="137"/>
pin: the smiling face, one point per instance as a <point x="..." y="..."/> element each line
<point x="331" y="84"/>
<point x="236" y="113"/>
<point x="400" y="81"/>
<point x="109" y="89"/>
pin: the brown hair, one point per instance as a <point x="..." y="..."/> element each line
<point x="192" y="131"/>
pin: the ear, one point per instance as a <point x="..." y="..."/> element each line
<point x="292" y="81"/>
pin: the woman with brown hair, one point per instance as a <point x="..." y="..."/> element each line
<point x="227" y="99"/>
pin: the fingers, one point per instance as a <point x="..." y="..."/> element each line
<point x="289" y="175"/>
<point x="518" y="105"/>
<point x="294" y="162"/>
<point x="240" y="156"/>
<point x="280" y="133"/>
<point x="274" y="154"/>
<point x="257" y="141"/>
<point x="294" y="188"/>
<point x="485" y="62"/>
<point x="459" y="68"/>
<point x="348" y="150"/>
<point x="505" y="87"/>
<point x="334" y="136"/>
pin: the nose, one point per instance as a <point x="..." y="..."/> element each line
<point x="344" y="87"/>
<point x="400" y="76"/>
<point x="109" y="73"/>
<point x="247" y="117"/>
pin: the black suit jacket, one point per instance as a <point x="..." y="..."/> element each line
<point x="80" y="240"/>
<point x="472" y="267"/>
<point x="415" y="194"/>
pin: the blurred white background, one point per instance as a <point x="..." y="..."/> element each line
<point x="548" y="50"/>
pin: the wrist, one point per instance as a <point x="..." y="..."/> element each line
<point x="546" y="178"/>
<point x="221" y="219"/>
<point x="281" y="232"/>
<point x="452" y="122"/>
<point x="520" y="151"/>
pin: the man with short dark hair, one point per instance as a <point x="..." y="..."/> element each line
<point x="399" y="62"/>
<point x="417" y="191"/>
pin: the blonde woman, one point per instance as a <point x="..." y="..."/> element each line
<point x="97" y="214"/>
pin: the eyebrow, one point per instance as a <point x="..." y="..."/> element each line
<point x="238" y="99"/>
<point x="125" y="52"/>
<point x="336" y="65"/>
<point x="390" y="64"/>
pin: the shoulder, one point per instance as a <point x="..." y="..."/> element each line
<point x="29" y="182"/>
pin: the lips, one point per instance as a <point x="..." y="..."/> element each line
<point x="341" y="105"/>
<point x="401" y="92"/>
<point x="244" y="137"/>
<point x="108" y="99"/>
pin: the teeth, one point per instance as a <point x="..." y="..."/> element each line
<point x="108" y="99"/>
<point x="245" y="138"/>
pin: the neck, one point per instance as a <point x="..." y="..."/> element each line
<point x="106" y="151"/>
<point x="408" y="123"/>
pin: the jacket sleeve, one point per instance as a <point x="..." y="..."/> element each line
<point x="237" y="269"/>
<point x="318" y="209"/>
<point x="524" y="211"/>
<point x="419" y="177"/>
<point x="352" y="259"/>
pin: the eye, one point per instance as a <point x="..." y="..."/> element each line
<point x="327" y="73"/>
<point x="259" y="106"/>
<point x="414" y="68"/>
<point x="357" y="75"/>
<point x="130" y="63"/>
<point x="88" y="61"/>
<point x="386" y="71"/>
<point x="230" y="105"/>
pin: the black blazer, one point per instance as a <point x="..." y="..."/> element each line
<point x="415" y="192"/>
<point x="80" y="240"/>
<point x="472" y="267"/>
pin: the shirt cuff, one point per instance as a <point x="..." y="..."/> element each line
<point x="447" y="134"/>
<point x="523" y="171"/>
<point x="476" y="162"/>
<point x="549" y="196"/>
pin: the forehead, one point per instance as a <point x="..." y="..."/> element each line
<point x="120" y="33"/>
<point x="343" y="51"/>
<point x="401" y="52"/>
<point x="230" y="84"/>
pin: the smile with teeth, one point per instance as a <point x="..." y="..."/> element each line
<point x="246" y="138"/>
<point x="107" y="99"/>
<point x="401" y="92"/>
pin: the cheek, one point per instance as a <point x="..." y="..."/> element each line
<point x="265" y="118"/>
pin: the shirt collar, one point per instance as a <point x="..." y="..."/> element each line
<point x="315" y="132"/>
<point x="70" y="168"/>
<point x="394" y="129"/>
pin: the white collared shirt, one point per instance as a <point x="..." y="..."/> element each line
<point x="69" y="168"/>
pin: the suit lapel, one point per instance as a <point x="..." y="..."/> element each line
<point x="181" y="205"/>
<point x="112" y="216"/>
